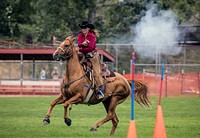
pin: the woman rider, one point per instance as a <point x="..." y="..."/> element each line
<point x="87" y="46"/>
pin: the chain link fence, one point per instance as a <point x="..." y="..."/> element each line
<point x="186" y="62"/>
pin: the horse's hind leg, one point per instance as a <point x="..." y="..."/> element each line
<point x="115" y="119"/>
<point x="115" y="122"/>
<point x="110" y="106"/>
<point x="58" y="100"/>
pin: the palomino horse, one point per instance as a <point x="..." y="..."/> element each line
<point x="74" y="90"/>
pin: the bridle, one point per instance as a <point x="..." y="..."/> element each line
<point x="67" y="51"/>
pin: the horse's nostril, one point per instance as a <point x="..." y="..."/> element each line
<point x="56" y="57"/>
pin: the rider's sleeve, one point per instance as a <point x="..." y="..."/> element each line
<point x="92" y="42"/>
<point x="91" y="45"/>
<point x="80" y="40"/>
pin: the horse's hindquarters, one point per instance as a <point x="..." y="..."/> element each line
<point x="119" y="88"/>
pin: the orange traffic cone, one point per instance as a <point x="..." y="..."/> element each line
<point x="132" y="130"/>
<point x="159" y="130"/>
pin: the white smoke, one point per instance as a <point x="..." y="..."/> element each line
<point x="156" y="33"/>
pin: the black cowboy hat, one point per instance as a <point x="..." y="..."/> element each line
<point x="86" y="24"/>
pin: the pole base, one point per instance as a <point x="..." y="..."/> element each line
<point x="132" y="130"/>
<point x="159" y="130"/>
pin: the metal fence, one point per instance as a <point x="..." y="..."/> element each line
<point x="186" y="61"/>
<point x="23" y="78"/>
<point x="28" y="70"/>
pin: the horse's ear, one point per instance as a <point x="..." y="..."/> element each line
<point x="73" y="39"/>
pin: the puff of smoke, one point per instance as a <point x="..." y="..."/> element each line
<point x="156" y="33"/>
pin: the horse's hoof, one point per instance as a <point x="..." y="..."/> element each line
<point x="68" y="121"/>
<point x="93" y="129"/>
<point x="46" y="121"/>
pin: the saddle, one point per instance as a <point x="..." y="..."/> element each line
<point x="107" y="75"/>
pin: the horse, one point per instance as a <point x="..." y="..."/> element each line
<point x="74" y="88"/>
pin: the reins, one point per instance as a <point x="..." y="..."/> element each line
<point x="65" y="56"/>
<point x="70" y="82"/>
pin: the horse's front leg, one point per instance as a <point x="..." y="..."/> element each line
<point x="58" y="100"/>
<point x="74" y="99"/>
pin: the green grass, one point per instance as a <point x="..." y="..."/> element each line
<point x="21" y="117"/>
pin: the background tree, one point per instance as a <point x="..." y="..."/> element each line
<point x="14" y="15"/>
<point x="42" y="19"/>
<point x="187" y="10"/>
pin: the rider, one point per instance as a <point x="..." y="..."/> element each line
<point x="87" y="46"/>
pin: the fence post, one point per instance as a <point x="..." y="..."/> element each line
<point x="198" y="82"/>
<point x="166" y="71"/>
<point x="182" y="73"/>
<point x="22" y="70"/>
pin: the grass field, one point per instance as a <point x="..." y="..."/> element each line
<point x="22" y="117"/>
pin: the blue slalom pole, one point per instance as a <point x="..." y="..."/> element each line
<point x="132" y="86"/>
<point x="132" y="133"/>
<point x="161" y="82"/>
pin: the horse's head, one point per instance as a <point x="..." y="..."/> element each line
<point x="65" y="49"/>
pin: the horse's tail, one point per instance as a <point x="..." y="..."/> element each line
<point x="141" y="93"/>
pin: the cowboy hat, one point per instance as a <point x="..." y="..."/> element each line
<point x="86" y="24"/>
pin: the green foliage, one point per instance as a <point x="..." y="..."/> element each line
<point x="59" y="18"/>
<point x="121" y="16"/>
<point x="4" y="20"/>
<point x="187" y="10"/>
<point x="43" y="19"/>
<point x="14" y="13"/>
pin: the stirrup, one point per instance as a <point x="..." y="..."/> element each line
<point x="99" y="96"/>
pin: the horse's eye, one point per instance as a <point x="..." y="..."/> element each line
<point x="66" y="45"/>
